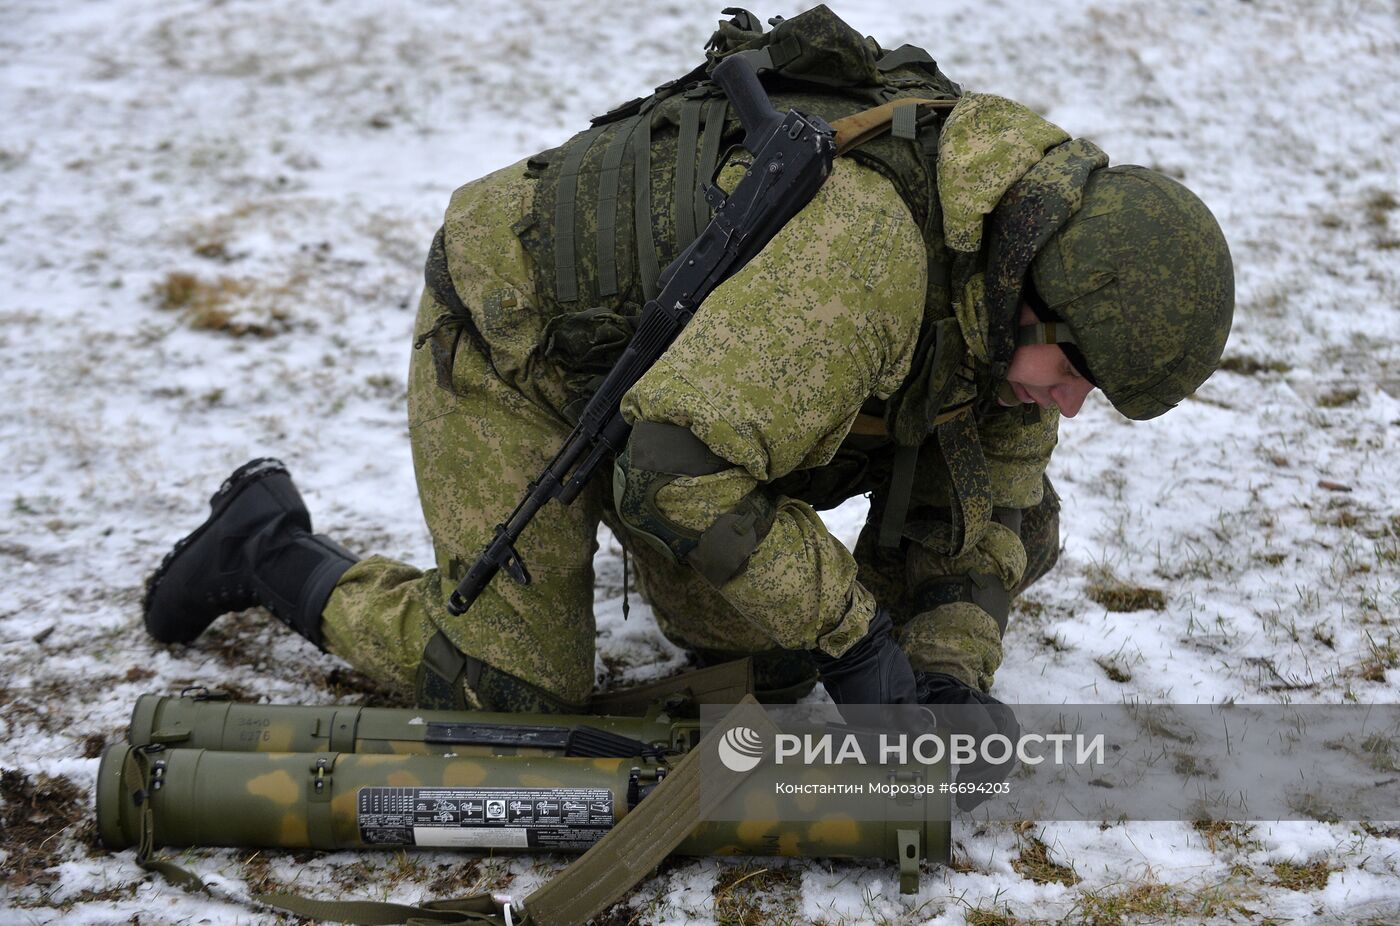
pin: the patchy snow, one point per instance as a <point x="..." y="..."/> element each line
<point x="296" y="158"/>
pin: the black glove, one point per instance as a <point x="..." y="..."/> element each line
<point x="873" y="671"/>
<point x="960" y="708"/>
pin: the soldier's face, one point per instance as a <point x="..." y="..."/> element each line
<point x="1041" y="374"/>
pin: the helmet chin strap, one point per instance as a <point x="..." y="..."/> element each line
<point x="1044" y="333"/>
<point x="1056" y="332"/>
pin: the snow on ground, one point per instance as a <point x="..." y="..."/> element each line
<point x="281" y="168"/>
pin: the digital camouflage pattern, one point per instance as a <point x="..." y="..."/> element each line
<point x="987" y="143"/>
<point x="1152" y="330"/>
<point x="770" y="375"/>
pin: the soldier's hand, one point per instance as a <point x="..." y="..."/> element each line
<point x="873" y="671"/>
<point x="960" y="708"/>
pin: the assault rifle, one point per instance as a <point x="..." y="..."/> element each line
<point x="792" y="157"/>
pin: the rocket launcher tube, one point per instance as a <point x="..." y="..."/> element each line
<point x="219" y="724"/>
<point x="197" y="797"/>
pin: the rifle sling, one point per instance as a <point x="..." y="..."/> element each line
<point x="858" y="128"/>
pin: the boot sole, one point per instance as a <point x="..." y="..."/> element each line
<point x="246" y="475"/>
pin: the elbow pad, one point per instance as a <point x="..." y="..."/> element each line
<point x="656" y="456"/>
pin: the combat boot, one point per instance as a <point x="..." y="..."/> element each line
<point x="255" y="548"/>
<point x="873" y="671"/>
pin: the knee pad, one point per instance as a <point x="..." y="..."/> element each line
<point x="656" y="456"/>
<point x="448" y="678"/>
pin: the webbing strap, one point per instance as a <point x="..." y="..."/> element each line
<point x="565" y="210"/>
<point x="858" y="128"/>
<point x="607" y="205"/>
<point x="726" y="683"/>
<point x="1044" y="333"/>
<point x="775" y="56"/>
<point x="689" y="794"/>
<point x="903" y="122"/>
<point x="713" y="137"/>
<point x="869" y="426"/>
<point x="647" y="264"/>
<point x="897" y="501"/>
<point x="687" y="141"/>
<point x="784" y="51"/>
<point x="135" y="773"/>
<point x="482" y="908"/>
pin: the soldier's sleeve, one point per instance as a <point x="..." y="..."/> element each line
<point x="768" y="378"/>
<point x="960" y="605"/>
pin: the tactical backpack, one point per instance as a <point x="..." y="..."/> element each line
<point x="620" y="200"/>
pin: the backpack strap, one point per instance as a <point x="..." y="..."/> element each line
<point x="565" y="207"/>
<point x="687" y="157"/>
<point x="607" y="205"/>
<point x="712" y="138"/>
<point x="647" y="262"/>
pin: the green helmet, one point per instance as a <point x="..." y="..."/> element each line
<point x="1142" y="276"/>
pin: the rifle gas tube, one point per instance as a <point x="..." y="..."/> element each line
<point x="792" y="157"/>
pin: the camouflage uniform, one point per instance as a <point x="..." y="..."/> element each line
<point x="777" y="379"/>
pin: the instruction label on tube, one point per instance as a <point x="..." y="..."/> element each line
<point x="497" y="818"/>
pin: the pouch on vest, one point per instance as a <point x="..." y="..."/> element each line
<point x="585" y="345"/>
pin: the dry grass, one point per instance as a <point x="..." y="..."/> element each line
<point x="1161" y="903"/>
<point x="1119" y="596"/>
<point x="214" y="305"/>
<point x="979" y="916"/>
<point x="1336" y="398"/>
<point x="1115" y="670"/>
<point x="1297" y="876"/>
<point x="1252" y="366"/>
<point x="1034" y="862"/>
<point x="1381" y="658"/>
<point x="748" y="895"/>
<point x="1379" y="206"/>
<point x="1225" y="833"/>
<point x="36" y="812"/>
